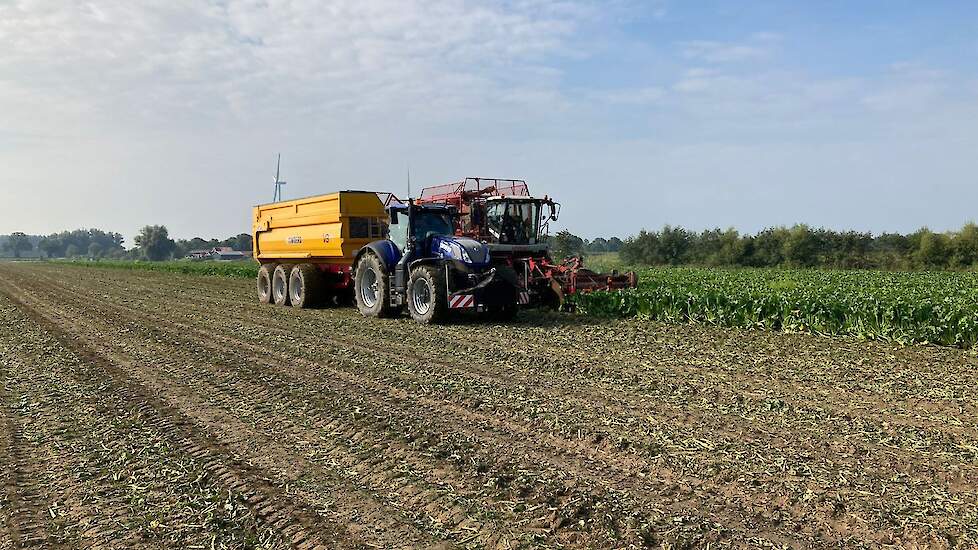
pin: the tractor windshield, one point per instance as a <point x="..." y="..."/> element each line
<point x="432" y="224"/>
<point x="426" y="224"/>
<point x="513" y="222"/>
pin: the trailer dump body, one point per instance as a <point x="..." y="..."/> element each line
<point x="330" y="228"/>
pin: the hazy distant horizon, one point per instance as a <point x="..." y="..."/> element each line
<point x="631" y="114"/>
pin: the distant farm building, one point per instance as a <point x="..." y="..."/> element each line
<point x="221" y="253"/>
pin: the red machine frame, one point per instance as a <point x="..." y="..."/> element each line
<point x="548" y="281"/>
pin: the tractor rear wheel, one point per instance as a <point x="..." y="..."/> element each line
<point x="372" y="287"/>
<point x="305" y="286"/>
<point x="280" y="285"/>
<point x="265" y="274"/>
<point x="427" y="296"/>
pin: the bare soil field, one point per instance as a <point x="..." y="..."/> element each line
<point x="156" y="410"/>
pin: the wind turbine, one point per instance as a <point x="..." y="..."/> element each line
<point x="278" y="183"/>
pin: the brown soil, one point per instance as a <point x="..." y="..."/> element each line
<point x="159" y="410"/>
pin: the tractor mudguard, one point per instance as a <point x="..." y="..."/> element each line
<point x="386" y="250"/>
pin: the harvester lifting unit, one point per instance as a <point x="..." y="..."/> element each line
<point x="351" y="246"/>
<point x="514" y="224"/>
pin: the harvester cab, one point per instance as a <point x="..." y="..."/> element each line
<point x="424" y="266"/>
<point x="514" y="225"/>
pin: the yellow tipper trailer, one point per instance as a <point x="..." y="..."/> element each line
<point x="325" y="228"/>
<point x="320" y="234"/>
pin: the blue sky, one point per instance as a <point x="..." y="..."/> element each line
<point x="633" y="114"/>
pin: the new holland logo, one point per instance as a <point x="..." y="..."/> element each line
<point x="295" y="240"/>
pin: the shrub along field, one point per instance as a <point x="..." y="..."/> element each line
<point x="922" y="307"/>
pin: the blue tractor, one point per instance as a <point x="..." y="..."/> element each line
<point x="424" y="267"/>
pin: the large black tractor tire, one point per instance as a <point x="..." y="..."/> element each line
<point x="265" y="274"/>
<point x="371" y="287"/>
<point x="306" y="286"/>
<point x="427" y="296"/>
<point x="280" y="284"/>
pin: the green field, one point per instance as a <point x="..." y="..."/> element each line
<point x="237" y="269"/>
<point x="920" y="307"/>
<point x="904" y="307"/>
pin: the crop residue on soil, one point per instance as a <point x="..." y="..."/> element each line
<point x="159" y="410"/>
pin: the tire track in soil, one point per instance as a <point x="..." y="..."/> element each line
<point x="230" y="427"/>
<point x="623" y="477"/>
<point x="25" y="505"/>
<point x="792" y="382"/>
<point x="352" y="388"/>
<point x="423" y="499"/>
<point x="883" y="421"/>
<point x="158" y="318"/>
<point x="910" y="459"/>
<point x="303" y="528"/>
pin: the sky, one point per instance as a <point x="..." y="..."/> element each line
<point x="632" y="114"/>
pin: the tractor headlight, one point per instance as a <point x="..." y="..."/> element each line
<point x="463" y="254"/>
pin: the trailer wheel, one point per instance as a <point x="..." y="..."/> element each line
<point x="427" y="296"/>
<point x="280" y="285"/>
<point x="372" y="288"/>
<point x="305" y="286"/>
<point x="265" y="274"/>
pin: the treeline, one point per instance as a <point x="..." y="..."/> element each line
<point x="152" y="243"/>
<point x="804" y="246"/>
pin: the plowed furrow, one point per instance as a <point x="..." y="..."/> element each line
<point x="25" y="508"/>
<point x="491" y="434"/>
<point x="375" y="417"/>
<point x="301" y="526"/>
<point x="560" y="342"/>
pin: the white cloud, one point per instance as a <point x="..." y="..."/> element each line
<point x="760" y="45"/>
<point x="156" y="61"/>
<point x="630" y="96"/>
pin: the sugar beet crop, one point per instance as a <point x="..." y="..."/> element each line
<point x="159" y="410"/>
<point x="936" y="307"/>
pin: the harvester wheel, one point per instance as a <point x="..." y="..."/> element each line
<point x="305" y="286"/>
<point x="427" y="296"/>
<point x="371" y="288"/>
<point x="280" y="285"/>
<point x="265" y="274"/>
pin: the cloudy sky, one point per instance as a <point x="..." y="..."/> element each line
<point x="632" y="113"/>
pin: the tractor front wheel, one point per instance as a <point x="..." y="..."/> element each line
<point x="427" y="296"/>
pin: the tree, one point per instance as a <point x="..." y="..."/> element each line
<point x="154" y="242"/>
<point x="931" y="250"/>
<point x="965" y="246"/>
<point x="95" y="250"/>
<point x="72" y="250"/>
<point x="18" y="242"/>
<point x="598" y="245"/>
<point x="800" y="246"/>
<point x="565" y="243"/>
<point x="614" y="244"/>
<point x="674" y="243"/>
<point x="52" y="246"/>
